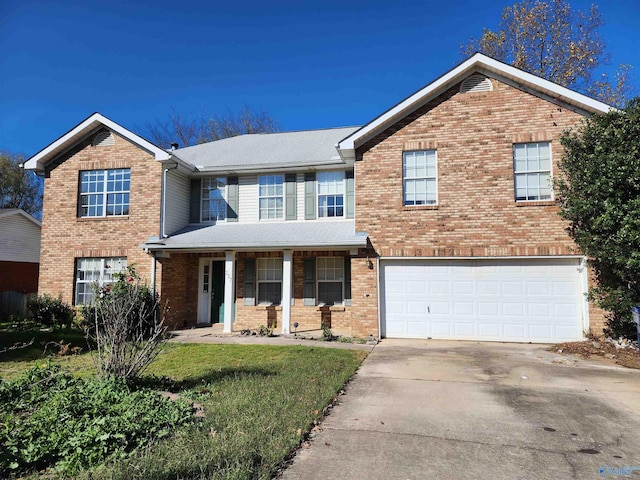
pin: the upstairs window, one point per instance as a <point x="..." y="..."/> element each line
<point x="214" y="206"/>
<point x="104" y="193"/>
<point x="271" y="197"/>
<point x="330" y="194"/>
<point x="419" y="175"/>
<point x="269" y="281"/>
<point x="532" y="171"/>
<point x="98" y="271"/>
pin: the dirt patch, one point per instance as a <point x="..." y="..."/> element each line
<point x="627" y="357"/>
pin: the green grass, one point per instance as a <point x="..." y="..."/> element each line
<point x="258" y="401"/>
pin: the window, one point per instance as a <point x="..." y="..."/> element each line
<point x="269" y="281"/>
<point x="104" y="193"/>
<point x="330" y="194"/>
<point x="214" y="206"/>
<point x="271" y="199"/>
<point x="330" y="276"/>
<point x="532" y="170"/>
<point x="419" y="174"/>
<point x="99" y="271"/>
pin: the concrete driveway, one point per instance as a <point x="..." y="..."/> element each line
<point x="458" y="410"/>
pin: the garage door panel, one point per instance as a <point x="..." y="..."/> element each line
<point x="513" y="300"/>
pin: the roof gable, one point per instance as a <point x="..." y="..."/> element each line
<point x="476" y="63"/>
<point x="7" y="212"/>
<point x="81" y="131"/>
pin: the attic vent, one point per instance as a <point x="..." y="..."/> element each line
<point x="476" y="83"/>
<point x="104" y="138"/>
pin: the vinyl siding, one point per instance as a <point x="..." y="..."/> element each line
<point x="248" y="207"/>
<point x="19" y="240"/>
<point x="177" y="205"/>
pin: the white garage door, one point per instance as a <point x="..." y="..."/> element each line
<point x="524" y="300"/>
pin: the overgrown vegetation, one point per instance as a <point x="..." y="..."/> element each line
<point x="51" y="312"/>
<point x="599" y="194"/>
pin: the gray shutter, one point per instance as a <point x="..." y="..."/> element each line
<point x="309" y="294"/>
<point x="309" y="196"/>
<point x="347" y="281"/>
<point x="350" y="191"/>
<point x="249" y="281"/>
<point x="290" y="196"/>
<point x="233" y="199"/>
<point x="195" y="200"/>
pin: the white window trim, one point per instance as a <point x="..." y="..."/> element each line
<point x="101" y="281"/>
<point x="435" y="177"/>
<point x="513" y="160"/>
<point x="222" y="180"/>
<point x="318" y="281"/>
<point x="258" y="281"/>
<point x="282" y="196"/>
<point x="343" y="193"/>
<point x="105" y="193"/>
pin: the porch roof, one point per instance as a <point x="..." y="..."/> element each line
<point x="263" y="236"/>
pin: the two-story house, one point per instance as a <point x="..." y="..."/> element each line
<point x="436" y="219"/>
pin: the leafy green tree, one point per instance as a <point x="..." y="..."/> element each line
<point x="550" y="39"/>
<point x="188" y="131"/>
<point x="599" y="194"/>
<point x="18" y="187"/>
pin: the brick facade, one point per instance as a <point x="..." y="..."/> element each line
<point x="66" y="237"/>
<point x="476" y="213"/>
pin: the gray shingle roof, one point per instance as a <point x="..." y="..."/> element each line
<point x="267" y="150"/>
<point x="263" y="236"/>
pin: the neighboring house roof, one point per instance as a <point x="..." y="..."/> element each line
<point x="476" y="63"/>
<point x="6" y="212"/>
<point x="266" y="151"/>
<point x="19" y="236"/>
<point x="239" y="236"/>
<point x="81" y="131"/>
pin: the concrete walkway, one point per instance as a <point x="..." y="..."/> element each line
<point x="470" y="410"/>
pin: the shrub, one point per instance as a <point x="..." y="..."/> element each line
<point x="50" y="419"/>
<point x="50" y="311"/>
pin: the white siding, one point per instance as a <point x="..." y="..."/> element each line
<point x="177" y="202"/>
<point x="300" y="196"/>
<point x="19" y="239"/>
<point x="248" y="199"/>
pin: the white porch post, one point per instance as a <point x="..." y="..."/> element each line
<point x="229" y="282"/>
<point x="286" y="291"/>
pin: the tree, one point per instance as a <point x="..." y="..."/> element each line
<point x="599" y="194"/>
<point x="193" y="131"/>
<point x="551" y="40"/>
<point x="18" y="187"/>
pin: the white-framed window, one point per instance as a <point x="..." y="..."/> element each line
<point x="271" y="197"/>
<point x="214" y="205"/>
<point x="269" y="281"/>
<point x="330" y="278"/>
<point x="330" y="194"/>
<point x="99" y="271"/>
<point x="420" y="177"/>
<point x="532" y="171"/>
<point x="104" y="193"/>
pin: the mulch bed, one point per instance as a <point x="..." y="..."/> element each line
<point x="627" y="357"/>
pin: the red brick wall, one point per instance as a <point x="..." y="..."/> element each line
<point x="476" y="215"/>
<point x="19" y="277"/>
<point x="66" y="237"/>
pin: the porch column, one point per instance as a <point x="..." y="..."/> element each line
<point x="286" y="291"/>
<point x="229" y="282"/>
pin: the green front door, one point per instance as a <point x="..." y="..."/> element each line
<point x="217" y="292"/>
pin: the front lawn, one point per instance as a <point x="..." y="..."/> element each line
<point x="258" y="403"/>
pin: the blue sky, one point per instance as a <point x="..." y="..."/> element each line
<point x="308" y="64"/>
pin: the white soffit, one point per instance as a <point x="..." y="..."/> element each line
<point x="86" y="127"/>
<point x="477" y="63"/>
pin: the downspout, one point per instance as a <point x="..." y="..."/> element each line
<point x="164" y="199"/>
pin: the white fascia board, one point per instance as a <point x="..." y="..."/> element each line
<point x="476" y="62"/>
<point x="40" y="159"/>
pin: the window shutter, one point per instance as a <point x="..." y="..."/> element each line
<point x="290" y="196"/>
<point x="309" y="294"/>
<point x="350" y="192"/>
<point x="195" y="200"/>
<point x="233" y="199"/>
<point x="309" y="196"/>
<point x="249" y="281"/>
<point x="347" y="281"/>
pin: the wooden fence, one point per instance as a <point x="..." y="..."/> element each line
<point x="14" y="303"/>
